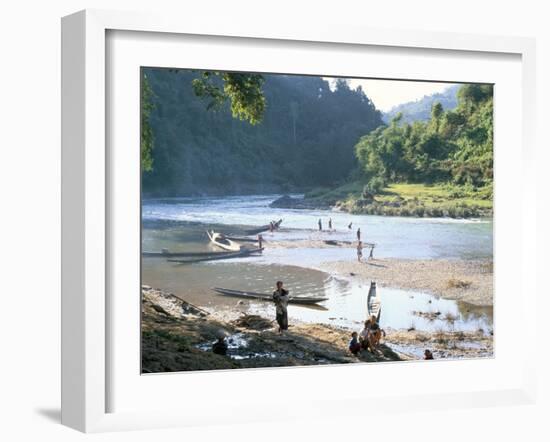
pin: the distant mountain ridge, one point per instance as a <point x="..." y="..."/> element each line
<point x="420" y="110"/>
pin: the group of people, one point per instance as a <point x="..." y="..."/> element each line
<point x="360" y="251"/>
<point x="368" y="339"/>
<point x="350" y="226"/>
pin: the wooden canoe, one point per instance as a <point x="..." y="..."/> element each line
<point x="374" y="303"/>
<point x="168" y="254"/>
<point x="263" y="228"/>
<point x="267" y="297"/>
<point x="217" y="256"/>
<point x="242" y="238"/>
<point x="221" y="241"/>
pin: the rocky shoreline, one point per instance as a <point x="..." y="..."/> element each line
<point x="178" y="336"/>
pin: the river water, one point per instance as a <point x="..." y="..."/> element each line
<point x="293" y="253"/>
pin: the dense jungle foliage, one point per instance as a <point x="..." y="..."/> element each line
<point x="454" y="146"/>
<point x="222" y="133"/>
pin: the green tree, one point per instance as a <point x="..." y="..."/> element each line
<point x="454" y="146"/>
<point x="306" y="137"/>
<point x="147" y="139"/>
<point x="242" y="90"/>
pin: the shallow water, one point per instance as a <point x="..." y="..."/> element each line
<point x="180" y="224"/>
<point x="397" y="237"/>
<point x="346" y="307"/>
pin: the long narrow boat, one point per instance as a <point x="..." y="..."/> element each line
<point x="265" y="228"/>
<point x="218" y="256"/>
<point x="166" y="253"/>
<point x="241" y="238"/>
<point x="223" y="242"/>
<point x="374" y="303"/>
<point x="267" y="297"/>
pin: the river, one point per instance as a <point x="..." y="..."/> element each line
<point x="179" y="224"/>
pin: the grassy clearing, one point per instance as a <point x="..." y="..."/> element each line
<point x="342" y="192"/>
<point x="420" y="200"/>
<point x="438" y="194"/>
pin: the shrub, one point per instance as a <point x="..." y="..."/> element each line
<point x="374" y="186"/>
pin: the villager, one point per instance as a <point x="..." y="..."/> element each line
<point x="354" y="345"/>
<point x="280" y="297"/>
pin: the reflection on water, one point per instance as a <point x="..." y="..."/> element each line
<point x="180" y="224"/>
<point x="347" y="307"/>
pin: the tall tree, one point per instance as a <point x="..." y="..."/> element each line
<point x="305" y="138"/>
<point x="147" y="139"/>
<point x="454" y="145"/>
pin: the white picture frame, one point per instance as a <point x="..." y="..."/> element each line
<point x="87" y="208"/>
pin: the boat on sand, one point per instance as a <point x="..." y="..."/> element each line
<point x="220" y="240"/>
<point x="242" y="238"/>
<point x="168" y="254"/>
<point x="217" y="256"/>
<point x="267" y="297"/>
<point x="265" y="228"/>
<point x="374" y="303"/>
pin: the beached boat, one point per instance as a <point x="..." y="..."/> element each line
<point x="223" y="242"/>
<point x="267" y="297"/>
<point x="374" y="303"/>
<point x="167" y="254"/>
<point x="217" y="256"/>
<point x="265" y="228"/>
<point x="242" y="238"/>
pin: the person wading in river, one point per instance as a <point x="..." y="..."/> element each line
<point x="359" y="250"/>
<point x="359" y="234"/>
<point x="320" y="224"/>
<point x="330" y="223"/>
<point x="280" y="297"/>
<point x="260" y="241"/>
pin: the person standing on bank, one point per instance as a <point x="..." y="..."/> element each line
<point x="280" y="297"/>
<point x="330" y="223"/>
<point x="320" y="224"/>
<point x="359" y="234"/>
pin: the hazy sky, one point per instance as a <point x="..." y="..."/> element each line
<point x="388" y="93"/>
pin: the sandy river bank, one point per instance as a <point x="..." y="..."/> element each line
<point x="470" y="281"/>
<point x="178" y="336"/>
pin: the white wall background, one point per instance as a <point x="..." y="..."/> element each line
<point x="30" y="213"/>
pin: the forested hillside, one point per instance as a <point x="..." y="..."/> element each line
<point x="441" y="167"/>
<point x="420" y="110"/>
<point x="305" y="138"/>
<point x="453" y="146"/>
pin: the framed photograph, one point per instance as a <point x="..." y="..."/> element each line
<point x="336" y="212"/>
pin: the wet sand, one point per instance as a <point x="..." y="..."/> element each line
<point x="467" y="281"/>
<point x="178" y="336"/>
